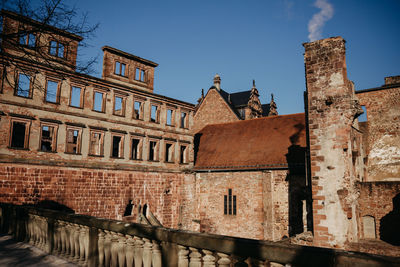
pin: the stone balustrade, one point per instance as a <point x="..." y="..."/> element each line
<point x="89" y="241"/>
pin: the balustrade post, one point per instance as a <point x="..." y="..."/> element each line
<point x="114" y="249"/>
<point x="56" y="237"/>
<point x="107" y="248"/>
<point x="50" y="235"/>
<point x="147" y="255"/>
<point x="224" y="260"/>
<point x="83" y="234"/>
<point x="75" y="233"/>
<point x="240" y="262"/>
<point x="121" y="249"/>
<point x="129" y="251"/>
<point x="138" y="252"/>
<point x="63" y="237"/>
<point x="195" y="257"/>
<point x="73" y="228"/>
<point x="93" y="249"/>
<point x="156" y="257"/>
<point x="183" y="260"/>
<point x="101" y="247"/>
<point x="208" y="258"/>
<point x="276" y="264"/>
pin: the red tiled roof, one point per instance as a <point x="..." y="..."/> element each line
<point x="262" y="143"/>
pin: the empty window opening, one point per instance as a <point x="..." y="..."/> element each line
<point x="47" y="140"/>
<point x="136" y="149"/>
<point x="76" y="97"/>
<point x="138" y="106"/>
<point x="170" y="115"/>
<point x="56" y="49"/>
<point x="19" y="135"/>
<point x="117" y="146"/>
<point x="183" y="156"/>
<point x="363" y="117"/>
<point x="230" y="203"/>
<point x="52" y="92"/>
<point x="28" y="39"/>
<point x="120" y="68"/>
<point x="140" y="75"/>
<point x="183" y="120"/>
<point x="169" y="152"/>
<point x="98" y="102"/>
<point x="128" y="208"/>
<point x="154" y="113"/>
<point x="73" y="141"/>
<point x="153" y="150"/>
<point x="96" y="143"/>
<point x="119" y="106"/>
<point x="24" y="85"/>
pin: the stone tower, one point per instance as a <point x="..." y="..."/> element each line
<point x="335" y="153"/>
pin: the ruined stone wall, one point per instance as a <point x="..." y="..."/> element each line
<point x="382" y="133"/>
<point x="261" y="204"/>
<point x="213" y="110"/>
<point x="95" y="192"/>
<point x="376" y="200"/>
<point x="334" y="150"/>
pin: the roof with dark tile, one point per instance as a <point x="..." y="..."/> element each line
<point x="263" y="143"/>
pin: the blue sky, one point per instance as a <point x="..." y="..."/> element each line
<point x="242" y="40"/>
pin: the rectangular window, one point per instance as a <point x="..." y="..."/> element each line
<point x="57" y="49"/>
<point x="24" y="86"/>
<point x="96" y="147"/>
<point x="48" y="136"/>
<point x="19" y="135"/>
<point x="136" y="148"/>
<point x="153" y="150"/>
<point x="28" y="39"/>
<point x="154" y="116"/>
<point x="52" y="91"/>
<point x="184" y="122"/>
<point x="117" y="149"/>
<point x="120" y="68"/>
<point x="140" y="75"/>
<point x="169" y="152"/>
<point x="76" y="99"/>
<point x="73" y="144"/>
<point x="230" y="203"/>
<point x="138" y="110"/>
<point x="183" y="154"/>
<point x="170" y="117"/>
<point x="119" y="105"/>
<point x="99" y="101"/>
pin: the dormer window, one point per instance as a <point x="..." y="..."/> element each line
<point x="28" y="39"/>
<point x="120" y="68"/>
<point x="140" y="75"/>
<point x="57" y="49"/>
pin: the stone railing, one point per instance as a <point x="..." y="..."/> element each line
<point x="89" y="241"/>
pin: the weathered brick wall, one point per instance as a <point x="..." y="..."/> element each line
<point x="376" y="200"/>
<point x="262" y="204"/>
<point x="334" y="147"/>
<point x="213" y="110"/>
<point x="101" y="193"/>
<point x="383" y="133"/>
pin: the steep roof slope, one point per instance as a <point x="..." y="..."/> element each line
<point x="263" y="143"/>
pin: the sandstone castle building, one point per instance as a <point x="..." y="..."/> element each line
<point x="111" y="147"/>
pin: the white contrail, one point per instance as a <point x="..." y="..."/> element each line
<point x="318" y="20"/>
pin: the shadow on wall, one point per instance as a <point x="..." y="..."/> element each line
<point x="390" y="224"/>
<point x="52" y="205"/>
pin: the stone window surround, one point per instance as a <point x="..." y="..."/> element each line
<point x="171" y="159"/>
<point x="82" y="98"/>
<point x="140" y="138"/>
<point x="54" y="137"/>
<point x="101" y="142"/>
<point x="58" y="93"/>
<point x="104" y="100"/>
<point x="58" y="43"/>
<point x="156" y="151"/>
<point x="31" y="76"/>
<point x="27" y="123"/>
<point x="79" y="139"/>
<point x="122" y="144"/>
<point x="123" y="96"/>
<point x="119" y="72"/>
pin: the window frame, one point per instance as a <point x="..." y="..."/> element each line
<point x="184" y="122"/>
<point x="183" y="157"/>
<point x="230" y="203"/>
<point x="53" y="139"/>
<point x="101" y="142"/>
<point x="173" y="115"/>
<point x="119" y="72"/>
<point x="121" y="148"/>
<point x="139" y="152"/>
<point x="58" y="43"/>
<point x="28" y="36"/>
<point x="78" y="142"/>
<point x="142" y="75"/>
<point x="156" y="150"/>
<point x="81" y="98"/>
<point x="123" y="104"/>
<point x="27" y="123"/>
<point x="157" y="114"/>
<point x="141" y="110"/>
<point x="30" y="93"/>
<point x="167" y="158"/>
<point x="103" y="103"/>
<point x="58" y="93"/>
